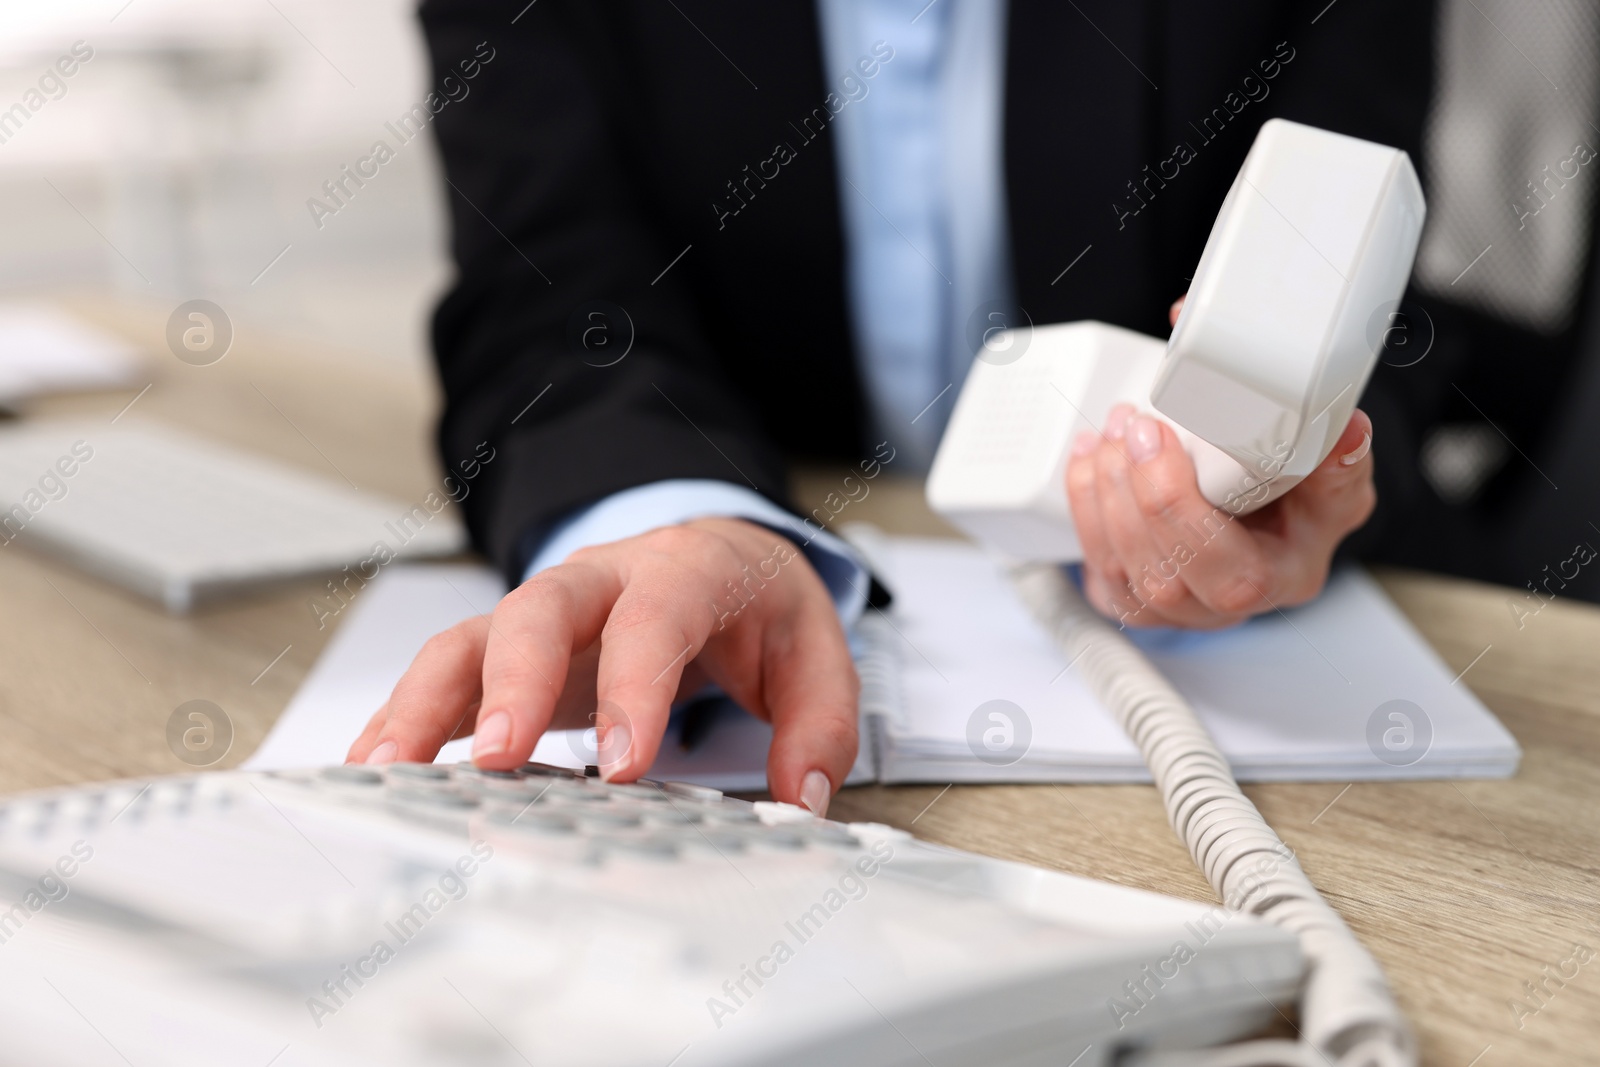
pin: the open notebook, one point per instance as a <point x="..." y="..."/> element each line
<point x="960" y="685"/>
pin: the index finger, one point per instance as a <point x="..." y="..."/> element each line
<point x="528" y="650"/>
<point x="659" y="625"/>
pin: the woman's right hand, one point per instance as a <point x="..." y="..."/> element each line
<point x="616" y="634"/>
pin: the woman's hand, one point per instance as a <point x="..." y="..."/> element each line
<point x="616" y="634"/>
<point x="1157" y="553"/>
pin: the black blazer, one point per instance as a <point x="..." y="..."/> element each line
<point x="600" y="155"/>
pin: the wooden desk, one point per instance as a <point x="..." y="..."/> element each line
<point x="1464" y="890"/>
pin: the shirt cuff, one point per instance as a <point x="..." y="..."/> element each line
<point x="666" y="503"/>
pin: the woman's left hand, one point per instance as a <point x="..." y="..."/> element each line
<point x="1157" y="553"/>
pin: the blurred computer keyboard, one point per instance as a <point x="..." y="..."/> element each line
<point x="181" y="519"/>
<point x="433" y="914"/>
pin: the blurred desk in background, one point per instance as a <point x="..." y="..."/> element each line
<point x="1464" y="890"/>
<point x="90" y="673"/>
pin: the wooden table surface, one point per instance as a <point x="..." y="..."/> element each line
<point x="1468" y="892"/>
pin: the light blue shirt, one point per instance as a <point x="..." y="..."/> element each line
<point x="922" y="188"/>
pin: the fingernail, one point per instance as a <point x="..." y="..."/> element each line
<point x="493" y="735"/>
<point x="1117" y="421"/>
<point x="1350" y="459"/>
<point x="1144" y="439"/>
<point x="815" y="792"/>
<point x="1085" y="443"/>
<point x="384" y="753"/>
<point x="613" y="750"/>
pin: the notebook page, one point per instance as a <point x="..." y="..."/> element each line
<point x="1287" y="696"/>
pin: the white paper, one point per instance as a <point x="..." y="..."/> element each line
<point x="43" y="350"/>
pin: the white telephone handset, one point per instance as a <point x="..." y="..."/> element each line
<point x="1297" y="286"/>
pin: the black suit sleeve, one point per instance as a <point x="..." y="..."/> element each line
<point x="547" y="219"/>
